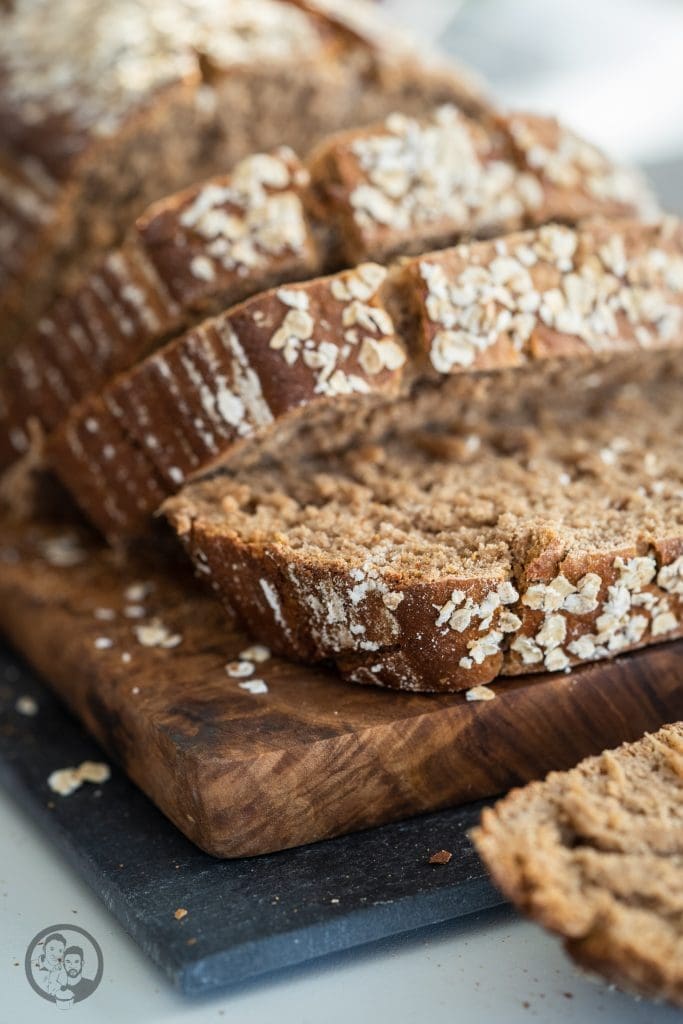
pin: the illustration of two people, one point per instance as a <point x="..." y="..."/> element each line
<point x="59" y="972"/>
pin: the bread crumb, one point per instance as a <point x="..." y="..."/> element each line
<point x="480" y="693"/>
<point x="104" y="614"/>
<point x="156" y="634"/>
<point x="134" y="611"/>
<point x="26" y="706"/>
<point x="254" y="686"/>
<point x="66" y="781"/>
<point x="180" y="913"/>
<point x="239" y="669"/>
<point x="93" y="771"/>
<point x="441" y="857"/>
<point x="63" y="552"/>
<point x="136" y="592"/>
<point x="257" y="653"/>
<point x="103" y="643"/>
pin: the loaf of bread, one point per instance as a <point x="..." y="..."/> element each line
<point x="140" y="394"/>
<point x="112" y="105"/>
<point x="595" y="854"/>
<point x="402" y="185"/>
<point x="439" y="562"/>
<point x="334" y="349"/>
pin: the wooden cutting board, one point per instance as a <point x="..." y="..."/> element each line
<point x="245" y="773"/>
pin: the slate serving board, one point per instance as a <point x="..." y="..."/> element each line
<point x="245" y="917"/>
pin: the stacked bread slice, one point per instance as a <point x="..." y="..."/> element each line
<point x="401" y="185"/>
<point x="419" y="272"/>
<point x="320" y="356"/>
<point x="408" y="394"/>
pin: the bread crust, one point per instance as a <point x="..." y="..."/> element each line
<point x="245" y="376"/>
<point x="216" y="243"/>
<point x="93" y="123"/>
<point x="167" y="273"/>
<point x="550" y="613"/>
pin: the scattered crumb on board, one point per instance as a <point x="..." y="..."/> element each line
<point x="480" y="693"/>
<point x="257" y="653"/>
<point x="26" y="706"/>
<point x="239" y="669"/>
<point x="254" y="686"/>
<point x="156" y="634"/>
<point x="66" y="781"/>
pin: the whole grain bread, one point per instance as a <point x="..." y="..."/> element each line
<point x="408" y="185"/>
<point x="440" y="561"/>
<point x="93" y="105"/>
<point x="595" y="854"/>
<point x="192" y="254"/>
<point x="401" y="185"/>
<point x="338" y="349"/>
<point x="148" y="661"/>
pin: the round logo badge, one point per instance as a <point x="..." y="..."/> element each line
<point x="64" y="965"/>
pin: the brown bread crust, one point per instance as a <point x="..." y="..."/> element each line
<point x="595" y="854"/>
<point x="599" y="297"/>
<point x="199" y="251"/>
<point x="395" y="633"/>
<point x="89" y="127"/>
<point x="407" y="185"/>
<point x="244" y="373"/>
<point x="553" y="294"/>
<point x="440" y="571"/>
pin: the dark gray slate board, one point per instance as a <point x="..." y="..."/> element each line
<point x="247" y="916"/>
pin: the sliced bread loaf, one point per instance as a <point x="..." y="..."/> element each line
<point x="189" y="255"/>
<point x="595" y="854"/>
<point x="93" y="105"/>
<point x="334" y="350"/>
<point x="265" y="223"/>
<point x="438" y="563"/>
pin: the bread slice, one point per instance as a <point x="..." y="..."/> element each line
<point x="189" y="255"/>
<point x="406" y="185"/>
<point x="265" y="223"/>
<point x="325" y="355"/>
<point x="99" y="628"/>
<point x="595" y="854"/>
<point x="119" y="103"/>
<point x="439" y="562"/>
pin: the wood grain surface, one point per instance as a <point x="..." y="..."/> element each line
<point x="242" y="774"/>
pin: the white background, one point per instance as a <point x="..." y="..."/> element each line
<point x="469" y="971"/>
<point x="612" y="68"/>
